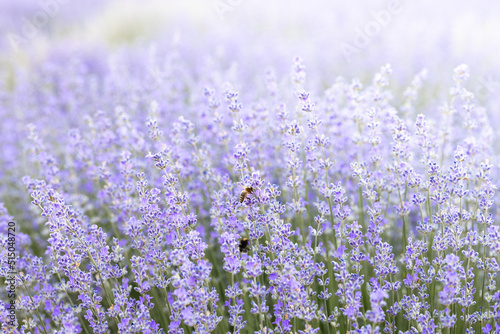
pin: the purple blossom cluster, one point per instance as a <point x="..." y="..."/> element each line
<point x="369" y="213"/>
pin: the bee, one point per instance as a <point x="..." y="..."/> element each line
<point x="243" y="246"/>
<point x="245" y="192"/>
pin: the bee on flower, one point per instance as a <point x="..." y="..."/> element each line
<point x="247" y="191"/>
<point x="243" y="246"/>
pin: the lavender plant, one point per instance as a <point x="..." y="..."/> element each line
<point x="368" y="213"/>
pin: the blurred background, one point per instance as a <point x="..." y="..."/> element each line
<point x="349" y="38"/>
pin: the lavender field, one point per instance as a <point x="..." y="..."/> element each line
<point x="249" y="167"/>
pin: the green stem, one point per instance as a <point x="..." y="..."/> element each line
<point x="332" y="222"/>
<point x="361" y="217"/>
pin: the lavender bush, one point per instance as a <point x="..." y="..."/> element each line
<point x="372" y="211"/>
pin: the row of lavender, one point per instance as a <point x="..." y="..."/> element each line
<point x="369" y="213"/>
